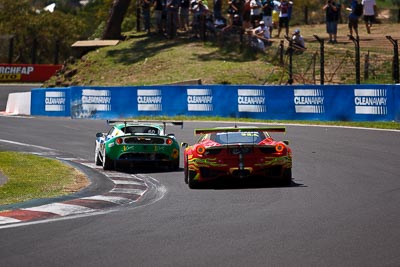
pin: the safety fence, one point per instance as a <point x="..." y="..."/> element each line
<point x="295" y="102"/>
<point x="366" y="60"/>
<point x="365" y="63"/>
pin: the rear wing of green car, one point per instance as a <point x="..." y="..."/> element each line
<point x="149" y="122"/>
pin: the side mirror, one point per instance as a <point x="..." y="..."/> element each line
<point x="286" y="142"/>
<point x="184" y="145"/>
<point x="98" y="135"/>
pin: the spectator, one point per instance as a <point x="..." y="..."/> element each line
<point x="298" y="43"/>
<point x="235" y="27"/>
<point x="172" y="17"/>
<point x="332" y="17"/>
<point x="235" y="8"/>
<point x="284" y="16"/>
<point x="184" y="15"/>
<point x="146" y="4"/>
<point x="261" y="36"/>
<point x="369" y="13"/>
<point x="247" y="14"/>
<point x="268" y="7"/>
<point x="353" y="17"/>
<point x="159" y="15"/>
<point x="275" y="14"/>
<point x="217" y="8"/>
<point x="200" y="11"/>
<point x="255" y="12"/>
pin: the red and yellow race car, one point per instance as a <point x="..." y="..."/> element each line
<point x="237" y="152"/>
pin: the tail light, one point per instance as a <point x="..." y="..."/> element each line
<point x="200" y="150"/>
<point x="169" y="141"/>
<point x="280" y="147"/>
<point x="118" y="141"/>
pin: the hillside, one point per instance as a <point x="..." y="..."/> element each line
<point x="147" y="60"/>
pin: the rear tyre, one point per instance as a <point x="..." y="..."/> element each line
<point x="185" y="170"/>
<point x="185" y="176"/>
<point x="287" y="177"/>
<point x="193" y="184"/>
<point x="174" y="165"/>
<point x="108" y="164"/>
<point x="97" y="159"/>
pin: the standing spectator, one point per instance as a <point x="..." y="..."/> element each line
<point x="146" y="4"/>
<point x="255" y="12"/>
<point x="268" y="7"/>
<point x="235" y="7"/>
<point x="184" y="15"/>
<point x="200" y="11"/>
<point x="246" y="16"/>
<point x="172" y="17"/>
<point x="159" y="15"/>
<point x="332" y="17"/>
<point x="369" y="13"/>
<point x="353" y="17"/>
<point x="217" y="8"/>
<point x="284" y="9"/>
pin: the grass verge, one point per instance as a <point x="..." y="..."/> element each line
<point x="31" y="177"/>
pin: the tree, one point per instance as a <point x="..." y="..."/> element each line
<point x="41" y="30"/>
<point x="115" y="19"/>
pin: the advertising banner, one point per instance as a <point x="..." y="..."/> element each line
<point x="27" y="72"/>
<point x="51" y="102"/>
<point x="296" y="102"/>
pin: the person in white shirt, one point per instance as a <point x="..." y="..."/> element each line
<point x="285" y="13"/>
<point x="298" y="41"/>
<point x="262" y="35"/>
<point x="369" y="13"/>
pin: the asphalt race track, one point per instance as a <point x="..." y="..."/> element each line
<point x="341" y="210"/>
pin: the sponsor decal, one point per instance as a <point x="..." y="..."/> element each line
<point x="54" y="101"/>
<point x="16" y="69"/>
<point x="251" y="100"/>
<point x="370" y="101"/>
<point x="13" y="73"/>
<point x="149" y="100"/>
<point x="96" y="100"/>
<point x="309" y="101"/>
<point x="10" y="77"/>
<point x="27" y="72"/>
<point x="199" y="100"/>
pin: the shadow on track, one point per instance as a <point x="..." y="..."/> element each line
<point x="229" y="184"/>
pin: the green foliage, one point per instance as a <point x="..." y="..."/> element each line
<point x="396" y="2"/>
<point x="26" y="25"/>
<point x="95" y="15"/>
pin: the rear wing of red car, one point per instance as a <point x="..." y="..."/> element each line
<point x="240" y="129"/>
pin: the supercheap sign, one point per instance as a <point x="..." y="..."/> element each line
<point x="27" y="72"/>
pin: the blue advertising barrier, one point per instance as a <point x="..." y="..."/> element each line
<point x="302" y="102"/>
<point x="51" y="102"/>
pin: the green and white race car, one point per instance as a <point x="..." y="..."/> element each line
<point x="137" y="143"/>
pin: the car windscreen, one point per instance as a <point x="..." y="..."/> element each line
<point x="140" y="129"/>
<point x="238" y="137"/>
